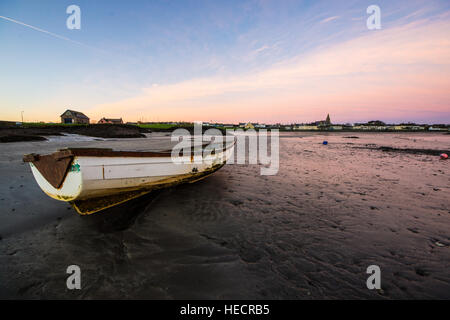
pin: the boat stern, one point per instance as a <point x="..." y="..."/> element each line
<point x="59" y="176"/>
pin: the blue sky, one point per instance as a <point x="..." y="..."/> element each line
<point x="133" y="46"/>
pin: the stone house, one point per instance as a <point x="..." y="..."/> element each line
<point x="72" y="116"/>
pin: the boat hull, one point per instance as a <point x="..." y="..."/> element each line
<point x="95" y="204"/>
<point x="96" y="181"/>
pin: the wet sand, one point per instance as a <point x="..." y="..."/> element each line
<point x="309" y="232"/>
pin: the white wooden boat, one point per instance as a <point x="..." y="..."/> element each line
<point x="92" y="179"/>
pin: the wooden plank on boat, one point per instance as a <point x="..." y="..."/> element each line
<point x="52" y="168"/>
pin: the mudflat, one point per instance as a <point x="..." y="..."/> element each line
<point x="309" y="232"/>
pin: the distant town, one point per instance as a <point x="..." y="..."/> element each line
<point x="72" y="117"/>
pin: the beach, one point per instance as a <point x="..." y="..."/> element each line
<point x="309" y="232"/>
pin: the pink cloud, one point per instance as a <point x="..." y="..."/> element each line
<point x="386" y="73"/>
<point x="329" y="19"/>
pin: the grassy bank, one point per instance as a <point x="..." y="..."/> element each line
<point x="33" y="131"/>
<point x="158" y="126"/>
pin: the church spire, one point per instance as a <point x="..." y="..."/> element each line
<point x="328" y="119"/>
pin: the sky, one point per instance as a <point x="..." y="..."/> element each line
<point x="226" y="61"/>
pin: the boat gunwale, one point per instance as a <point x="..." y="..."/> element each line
<point x="110" y="153"/>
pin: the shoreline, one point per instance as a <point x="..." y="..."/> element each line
<point x="9" y="132"/>
<point x="39" y="133"/>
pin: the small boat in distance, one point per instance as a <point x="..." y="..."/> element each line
<point x="94" y="179"/>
